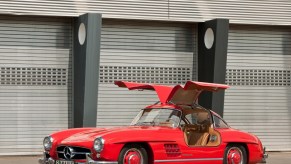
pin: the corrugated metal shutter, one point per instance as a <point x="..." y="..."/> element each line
<point x="35" y="81"/>
<point x="242" y="12"/>
<point x="146" y="52"/>
<point x="125" y="9"/>
<point x="259" y="72"/>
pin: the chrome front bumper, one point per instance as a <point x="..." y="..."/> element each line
<point x="89" y="160"/>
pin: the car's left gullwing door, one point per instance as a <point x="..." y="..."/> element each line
<point x="162" y="91"/>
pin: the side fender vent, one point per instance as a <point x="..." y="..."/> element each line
<point x="172" y="150"/>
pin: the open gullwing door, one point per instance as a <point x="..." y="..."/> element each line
<point x="180" y="95"/>
<point x="162" y="91"/>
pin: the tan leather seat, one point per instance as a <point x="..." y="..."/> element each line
<point x="198" y="139"/>
<point x="195" y="135"/>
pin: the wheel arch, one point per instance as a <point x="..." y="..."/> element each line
<point x="147" y="147"/>
<point x="242" y="144"/>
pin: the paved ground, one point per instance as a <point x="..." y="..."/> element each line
<point x="274" y="158"/>
<point x="279" y="158"/>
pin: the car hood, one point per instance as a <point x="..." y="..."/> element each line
<point x="86" y="135"/>
<point x="120" y="134"/>
<point x="180" y="95"/>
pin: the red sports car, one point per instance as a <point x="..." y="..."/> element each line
<point x="174" y="130"/>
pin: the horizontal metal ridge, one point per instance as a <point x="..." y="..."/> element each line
<point x="239" y="12"/>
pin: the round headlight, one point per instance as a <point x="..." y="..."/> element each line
<point x="47" y="142"/>
<point x="99" y="144"/>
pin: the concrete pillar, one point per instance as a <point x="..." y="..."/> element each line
<point x="86" y="59"/>
<point x="212" y="57"/>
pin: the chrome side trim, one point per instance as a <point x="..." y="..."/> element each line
<point x="189" y="160"/>
<point x="101" y="162"/>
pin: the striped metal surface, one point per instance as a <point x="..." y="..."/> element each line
<point x="239" y="12"/>
<point x="259" y="71"/>
<point x="141" y="9"/>
<point x="35" y="80"/>
<point x="149" y="52"/>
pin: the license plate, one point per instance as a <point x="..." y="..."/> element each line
<point x="64" y="162"/>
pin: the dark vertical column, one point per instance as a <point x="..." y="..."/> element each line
<point x="212" y="56"/>
<point x="86" y="57"/>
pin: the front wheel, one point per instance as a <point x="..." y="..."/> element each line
<point x="235" y="154"/>
<point x="133" y="154"/>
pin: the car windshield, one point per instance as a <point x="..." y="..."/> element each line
<point x="158" y="117"/>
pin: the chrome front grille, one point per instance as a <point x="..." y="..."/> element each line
<point x="72" y="152"/>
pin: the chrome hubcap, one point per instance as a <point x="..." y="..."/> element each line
<point x="132" y="156"/>
<point x="234" y="156"/>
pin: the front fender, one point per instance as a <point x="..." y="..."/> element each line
<point x="61" y="135"/>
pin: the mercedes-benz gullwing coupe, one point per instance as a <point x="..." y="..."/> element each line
<point x="172" y="131"/>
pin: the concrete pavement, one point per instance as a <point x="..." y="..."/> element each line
<point x="274" y="158"/>
<point x="279" y="158"/>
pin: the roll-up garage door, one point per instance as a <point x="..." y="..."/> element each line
<point x="161" y="53"/>
<point x="259" y="72"/>
<point x="35" y="81"/>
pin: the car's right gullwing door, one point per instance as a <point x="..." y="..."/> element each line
<point x="181" y="95"/>
<point x="189" y="93"/>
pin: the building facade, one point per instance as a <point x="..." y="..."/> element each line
<point x="151" y="41"/>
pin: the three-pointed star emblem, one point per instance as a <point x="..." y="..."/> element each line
<point x="69" y="152"/>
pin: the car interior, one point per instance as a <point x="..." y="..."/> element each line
<point x="198" y="128"/>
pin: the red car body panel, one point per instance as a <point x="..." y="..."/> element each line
<point x="165" y="144"/>
<point x="156" y="137"/>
